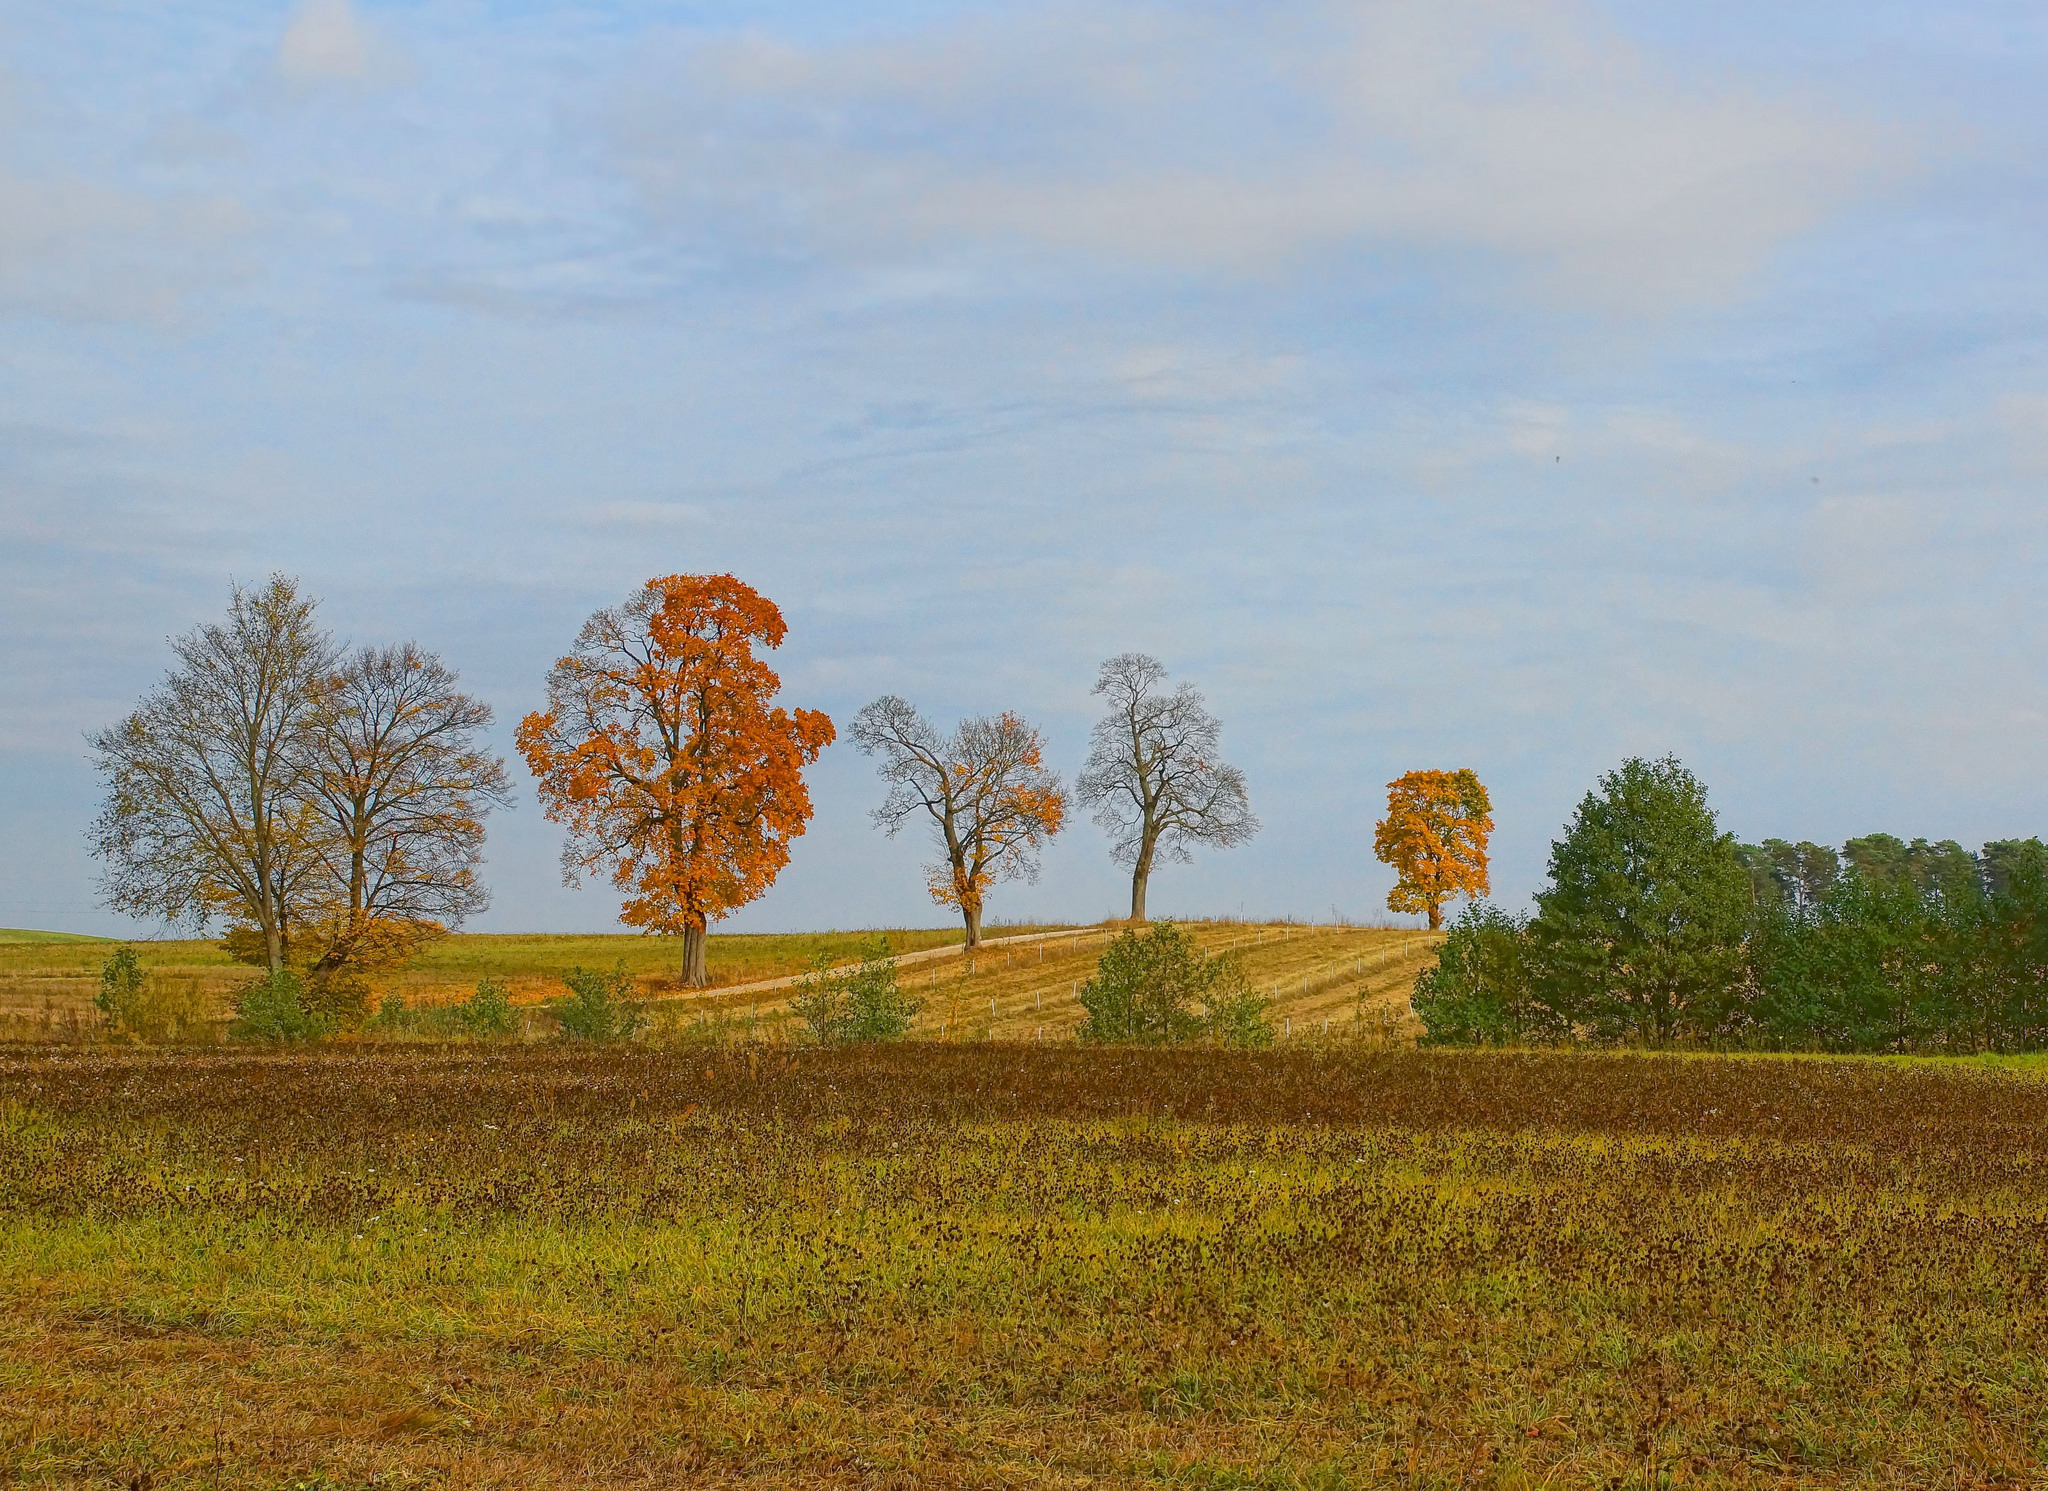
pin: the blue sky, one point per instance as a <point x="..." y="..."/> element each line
<point x="1494" y="383"/>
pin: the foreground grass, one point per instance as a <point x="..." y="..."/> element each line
<point x="997" y="1265"/>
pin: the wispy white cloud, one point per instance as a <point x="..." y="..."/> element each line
<point x="1248" y="139"/>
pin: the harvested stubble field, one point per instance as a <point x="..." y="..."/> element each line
<point x="1009" y="1265"/>
<point x="1324" y="980"/>
<point x="1329" y="981"/>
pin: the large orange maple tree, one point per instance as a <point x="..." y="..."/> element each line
<point x="1434" y="836"/>
<point x="663" y="753"/>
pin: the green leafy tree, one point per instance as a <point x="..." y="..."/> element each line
<point x="600" y="1006"/>
<point x="1640" y="933"/>
<point x="860" y="1006"/>
<point x="1159" y="988"/>
<point x="1798" y="874"/>
<point x="1846" y="971"/>
<point x="1944" y="868"/>
<point x="2013" y="961"/>
<point x="1480" y="991"/>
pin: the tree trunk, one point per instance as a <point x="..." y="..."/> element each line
<point x="270" y="905"/>
<point x="971" y="915"/>
<point x="272" y="917"/>
<point x="1141" y="875"/>
<point x="695" y="974"/>
<point x="1436" y="917"/>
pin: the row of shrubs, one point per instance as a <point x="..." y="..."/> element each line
<point x="285" y="1006"/>
<point x="1150" y="989"/>
<point x="1154" y="988"/>
<point x="1657" y="929"/>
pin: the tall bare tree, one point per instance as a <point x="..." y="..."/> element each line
<point x="992" y="802"/>
<point x="1155" y="776"/>
<point x="206" y="813"/>
<point x="401" y="778"/>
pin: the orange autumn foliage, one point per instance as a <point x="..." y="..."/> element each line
<point x="1434" y="836"/>
<point x="1005" y="805"/>
<point x="663" y="754"/>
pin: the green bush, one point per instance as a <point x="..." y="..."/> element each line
<point x="1160" y="989"/>
<point x="275" y="1009"/>
<point x="599" y="1006"/>
<point x="488" y="1012"/>
<point x="861" y="1006"/>
<point x="1234" y="1014"/>
<point x="1479" y="992"/>
<point x="120" y="996"/>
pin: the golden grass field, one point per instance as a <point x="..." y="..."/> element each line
<point x="1017" y="1265"/>
<point x="1324" y="980"/>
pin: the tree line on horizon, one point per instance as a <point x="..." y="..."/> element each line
<point x="328" y="805"/>
<point x="1656" y="928"/>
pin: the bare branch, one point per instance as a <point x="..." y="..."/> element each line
<point x="1154" y="773"/>
<point x="205" y="813"/>
<point x="992" y="804"/>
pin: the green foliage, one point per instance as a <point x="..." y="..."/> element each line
<point x="1796" y="874"/>
<point x="1915" y="948"/>
<point x="1235" y="1014"/>
<point x="1160" y="989"/>
<point x="275" y="1008"/>
<point x="148" y="1008"/>
<point x="861" y="1006"/>
<point x="1640" y="934"/>
<point x="1656" y="929"/>
<point x="488" y="1011"/>
<point x="600" y="1006"/>
<point x="1480" y="993"/>
<point x="120" y="995"/>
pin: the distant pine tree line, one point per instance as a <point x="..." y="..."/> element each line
<point x="1658" y="929"/>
